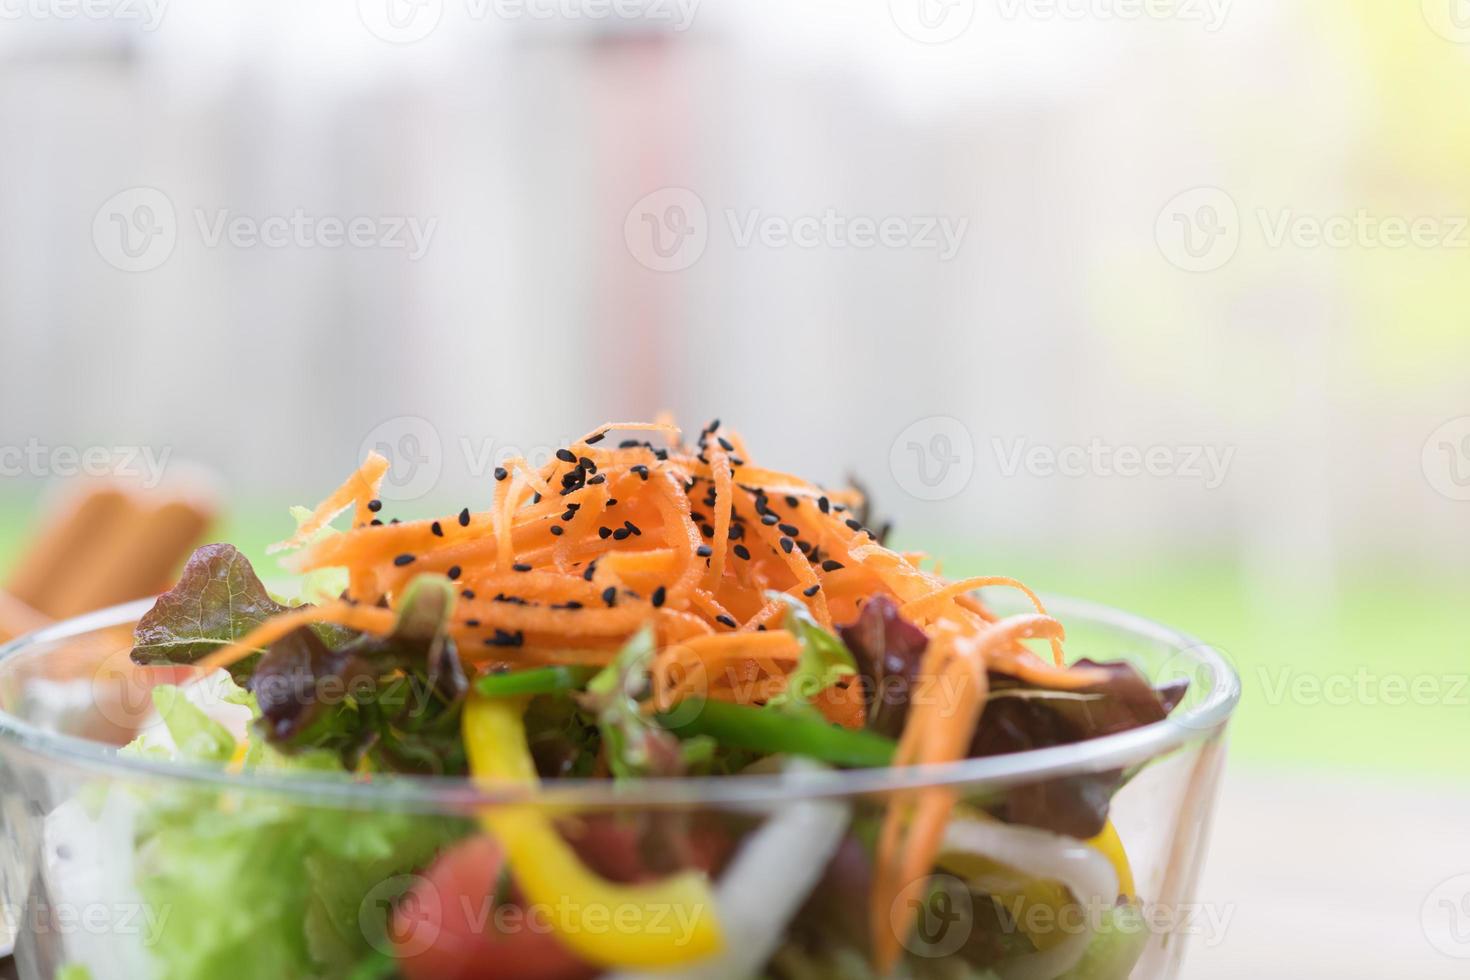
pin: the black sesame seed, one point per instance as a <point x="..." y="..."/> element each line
<point x="612" y="501"/>
<point x="642" y="471"/>
<point x="659" y="594"/>
<point x="589" y="571"/>
<point x="707" y="530"/>
<point x="610" y="595"/>
<point x="375" y="505"/>
<point x="402" y="560"/>
<point x="596" y="437"/>
<point x="621" y="534"/>
<point x="831" y="565"/>
<point x="790" y="529"/>
<point x="628" y="444"/>
<point x="572" y="604"/>
<point x="437" y="529"/>
<point x="792" y="501"/>
<point x="464" y="517"/>
<point x="769" y="519"/>
<point x="741" y="551"/>
<point x="704" y="551"/>
<point x="824" y="505"/>
<point x="453" y="572"/>
<point x="566" y="455"/>
<point x="468" y="593"/>
<point x="395" y="521"/>
<point x="786" y="544"/>
<point x="472" y="623"/>
<point x="852" y="525"/>
<point x="587" y="464"/>
<point x="520" y="566"/>
<point x="724" y="620"/>
<point x="599" y="478"/>
<point x="726" y="445"/>
<point x="604" y="533"/>
<point x="632" y="528"/>
<point x="713" y="425"/>
<point x="809" y="592"/>
<point x="557" y="530"/>
<point x="536" y="497"/>
<point x="376" y="523"/>
<point x="501" y="473"/>
<point x="695" y="515"/>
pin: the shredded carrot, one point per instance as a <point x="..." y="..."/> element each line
<point x="359" y="488"/>
<point x="724" y="483"/>
<point x="362" y="618"/>
<point x="920" y="610"/>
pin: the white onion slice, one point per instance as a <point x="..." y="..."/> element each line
<point x="1085" y="872"/>
<point x="765" y="886"/>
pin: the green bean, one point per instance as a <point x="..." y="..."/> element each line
<point x="763" y="730"/>
<point x="541" y="680"/>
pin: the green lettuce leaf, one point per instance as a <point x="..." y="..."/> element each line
<point x="824" y="660"/>
<point x="218" y="600"/>
<point x="393" y="701"/>
<point x="635" y="744"/>
<point x="195" y="733"/>
<point x="261" y="887"/>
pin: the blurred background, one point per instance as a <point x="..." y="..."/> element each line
<point x="1164" y="303"/>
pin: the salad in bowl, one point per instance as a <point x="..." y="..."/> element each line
<point x="654" y="711"/>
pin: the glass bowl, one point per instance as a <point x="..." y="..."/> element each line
<point x="123" y="866"/>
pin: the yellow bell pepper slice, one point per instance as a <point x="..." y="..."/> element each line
<point x="1110" y="845"/>
<point x="666" y="923"/>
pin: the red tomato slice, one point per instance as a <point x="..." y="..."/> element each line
<point x="448" y="927"/>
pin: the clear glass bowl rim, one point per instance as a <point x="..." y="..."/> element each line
<point x="433" y="794"/>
